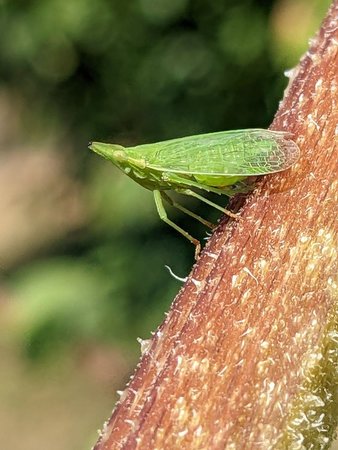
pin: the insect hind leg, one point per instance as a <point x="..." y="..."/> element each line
<point x="191" y="193"/>
<point x="187" y="211"/>
<point x="163" y="215"/>
<point x="178" y="183"/>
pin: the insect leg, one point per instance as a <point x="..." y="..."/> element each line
<point x="208" y="202"/>
<point x="187" y="211"/>
<point x="178" y="180"/>
<point x="163" y="215"/>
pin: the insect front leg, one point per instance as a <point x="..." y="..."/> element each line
<point x="163" y="215"/>
<point x="181" y="181"/>
<point x="186" y="211"/>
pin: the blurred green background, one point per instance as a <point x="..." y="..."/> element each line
<point x="82" y="250"/>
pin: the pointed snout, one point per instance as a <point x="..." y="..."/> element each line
<point x="105" y="150"/>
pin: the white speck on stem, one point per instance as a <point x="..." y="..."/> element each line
<point x="181" y="434"/>
<point x="234" y="280"/>
<point x="246" y="270"/>
<point x="197" y="283"/>
<point x="318" y="84"/>
<point x="312" y="121"/>
<point x="211" y="255"/>
<point x="144" y="344"/>
<point x="289" y="73"/>
<point x="248" y="331"/>
<point x="303" y="239"/>
<point x="175" y="276"/>
<point x="222" y="371"/>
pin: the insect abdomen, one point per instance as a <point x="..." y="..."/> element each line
<point x="217" y="180"/>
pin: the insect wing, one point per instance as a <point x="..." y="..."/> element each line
<point x="228" y="153"/>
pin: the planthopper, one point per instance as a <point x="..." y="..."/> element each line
<point x="213" y="162"/>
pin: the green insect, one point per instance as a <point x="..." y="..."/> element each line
<point x="213" y="162"/>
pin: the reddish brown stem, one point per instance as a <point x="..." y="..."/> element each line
<point x="228" y="366"/>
